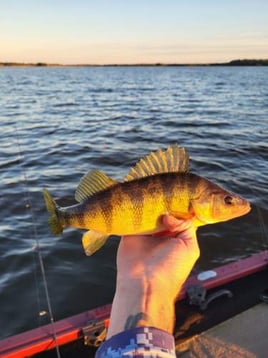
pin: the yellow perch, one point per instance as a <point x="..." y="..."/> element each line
<point x="159" y="183"/>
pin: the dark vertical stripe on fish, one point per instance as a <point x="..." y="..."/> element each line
<point x="193" y="181"/>
<point x="136" y="197"/>
<point x="105" y="204"/>
<point x="81" y="220"/>
<point x="168" y="186"/>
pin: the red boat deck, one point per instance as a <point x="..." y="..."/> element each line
<point x="70" y="329"/>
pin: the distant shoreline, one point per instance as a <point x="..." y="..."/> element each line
<point x="244" y="62"/>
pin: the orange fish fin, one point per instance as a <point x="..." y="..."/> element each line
<point x="182" y="216"/>
<point x="172" y="160"/>
<point x="91" y="183"/>
<point x="92" y="241"/>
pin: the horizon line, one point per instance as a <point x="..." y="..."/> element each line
<point x="235" y="62"/>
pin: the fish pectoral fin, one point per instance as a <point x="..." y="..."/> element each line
<point x="182" y="216"/>
<point x="91" y="183"/>
<point x="172" y="160"/>
<point x="92" y="241"/>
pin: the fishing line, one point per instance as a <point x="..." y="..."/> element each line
<point x="37" y="247"/>
<point x="28" y="205"/>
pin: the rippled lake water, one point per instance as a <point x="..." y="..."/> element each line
<point x="57" y="123"/>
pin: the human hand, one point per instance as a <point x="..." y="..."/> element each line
<point x="164" y="261"/>
<point x="150" y="273"/>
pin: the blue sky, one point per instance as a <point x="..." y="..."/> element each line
<point x="127" y="31"/>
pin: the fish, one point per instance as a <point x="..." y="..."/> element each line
<point x="159" y="183"/>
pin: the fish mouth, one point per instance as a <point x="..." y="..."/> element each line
<point x="246" y="209"/>
<point x="243" y="204"/>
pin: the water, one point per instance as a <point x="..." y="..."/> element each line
<point x="57" y="123"/>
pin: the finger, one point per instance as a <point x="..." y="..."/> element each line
<point x="176" y="225"/>
<point x="137" y="242"/>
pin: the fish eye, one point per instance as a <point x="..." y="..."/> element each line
<point x="228" y="200"/>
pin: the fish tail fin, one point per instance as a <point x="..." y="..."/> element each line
<point x="54" y="220"/>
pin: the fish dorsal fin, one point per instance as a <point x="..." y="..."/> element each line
<point x="91" y="183"/>
<point x="172" y="160"/>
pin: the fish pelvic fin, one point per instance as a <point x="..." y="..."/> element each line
<point x="54" y="220"/>
<point x="92" y="241"/>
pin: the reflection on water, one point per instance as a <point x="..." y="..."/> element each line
<point x="57" y="123"/>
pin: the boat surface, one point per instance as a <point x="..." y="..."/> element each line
<point x="91" y="326"/>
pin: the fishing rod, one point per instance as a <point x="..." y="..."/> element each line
<point x="37" y="247"/>
<point x="264" y="234"/>
<point x="261" y="222"/>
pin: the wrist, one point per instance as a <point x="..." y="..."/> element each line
<point x="137" y="303"/>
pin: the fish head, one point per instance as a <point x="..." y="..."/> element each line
<point x="214" y="204"/>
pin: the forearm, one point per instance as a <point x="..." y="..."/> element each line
<point x="150" y="274"/>
<point x="139" y="303"/>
